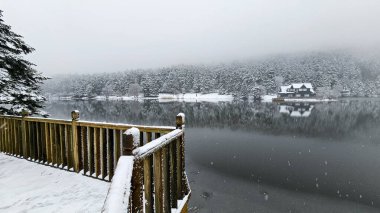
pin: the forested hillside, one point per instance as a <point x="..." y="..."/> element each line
<point x="334" y="71"/>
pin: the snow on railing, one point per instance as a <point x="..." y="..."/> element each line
<point x="117" y="200"/>
<point x="160" y="164"/>
<point x="157" y="144"/>
<point x="162" y="129"/>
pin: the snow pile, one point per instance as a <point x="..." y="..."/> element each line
<point x="119" y="192"/>
<point x="135" y="134"/>
<point x="162" y="97"/>
<point x="195" y="97"/>
<point x="308" y="100"/>
<point x="119" y="98"/>
<point x="268" y="98"/>
<point x="30" y="187"/>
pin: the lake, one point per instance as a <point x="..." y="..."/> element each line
<point x="265" y="157"/>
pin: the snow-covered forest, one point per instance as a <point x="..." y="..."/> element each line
<point x="335" y="71"/>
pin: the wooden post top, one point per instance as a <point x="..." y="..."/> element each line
<point x="75" y="115"/>
<point x="131" y="140"/>
<point x="180" y="120"/>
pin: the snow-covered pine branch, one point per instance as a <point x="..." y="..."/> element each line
<point x="19" y="82"/>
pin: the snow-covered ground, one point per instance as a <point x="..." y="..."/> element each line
<point x="115" y="98"/>
<point x="308" y="100"/>
<point x="195" y="97"/>
<point x="268" y="98"/>
<point x="30" y="187"/>
<point x="163" y="97"/>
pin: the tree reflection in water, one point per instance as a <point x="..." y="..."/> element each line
<point x="334" y="119"/>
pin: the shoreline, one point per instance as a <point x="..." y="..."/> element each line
<point x="197" y="97"/>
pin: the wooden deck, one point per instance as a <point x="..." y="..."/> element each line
<point x="31" y="187"/>
<point x="94" y="149"/>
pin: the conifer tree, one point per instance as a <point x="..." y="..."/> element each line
<point x="19" y="82"/>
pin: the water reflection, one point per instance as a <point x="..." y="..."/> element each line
<point x="337" y="119"/>
<point x="296" y="109"/>
<point x="318" y="154"/>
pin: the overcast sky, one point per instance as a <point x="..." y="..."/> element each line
<point x="84" y="36"/>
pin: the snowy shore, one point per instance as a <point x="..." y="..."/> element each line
<point x="269" y="98"/>
<point x="309" y="100"/>
<point x="164" y="97"/>
<point x="193" y="97"/>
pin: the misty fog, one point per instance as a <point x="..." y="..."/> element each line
<point x="108" y="36"/>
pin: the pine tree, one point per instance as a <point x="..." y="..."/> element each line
<point x="19" y="82"/>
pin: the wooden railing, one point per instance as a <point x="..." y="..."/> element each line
<point x="92" y="148"/>
<point x="158" y="182"/>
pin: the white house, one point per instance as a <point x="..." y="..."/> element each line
<point x="297" y="90"/>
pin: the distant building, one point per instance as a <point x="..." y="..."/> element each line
<point x="297" y="90"/>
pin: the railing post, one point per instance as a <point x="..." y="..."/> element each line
<point x="131" y="140"/>
<point x="74" y="138"/>
<point x="24" y="113"/>
<point x="180" y="121"/>
<point x="181" y="186"/>
<point x="166" y="179"/>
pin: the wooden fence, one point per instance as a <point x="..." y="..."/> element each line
<point x="94" y="148"/>
<point x="81" y="146"/>
<point x="159" y="182"/>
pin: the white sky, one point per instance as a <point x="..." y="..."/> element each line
<point x="85" y="36"/>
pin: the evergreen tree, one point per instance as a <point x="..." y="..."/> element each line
<point x="19" y="82"/>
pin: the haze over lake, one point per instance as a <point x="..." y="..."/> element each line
<point x="282" y="104"/>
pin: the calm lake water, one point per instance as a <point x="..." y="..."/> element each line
<point x="266" y="157"/>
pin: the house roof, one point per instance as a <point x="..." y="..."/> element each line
<point x="284" y="88"/>
<point x="296" y="86"/>
<point x="299" y="85"/>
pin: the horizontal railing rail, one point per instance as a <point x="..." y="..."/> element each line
<point x="81" y="146"/>
<point x="118" y="197"/>
<point x="160" y="129"/>
<point x="153" y="146"/>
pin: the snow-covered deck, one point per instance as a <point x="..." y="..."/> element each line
<point x="31" y="187"/>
